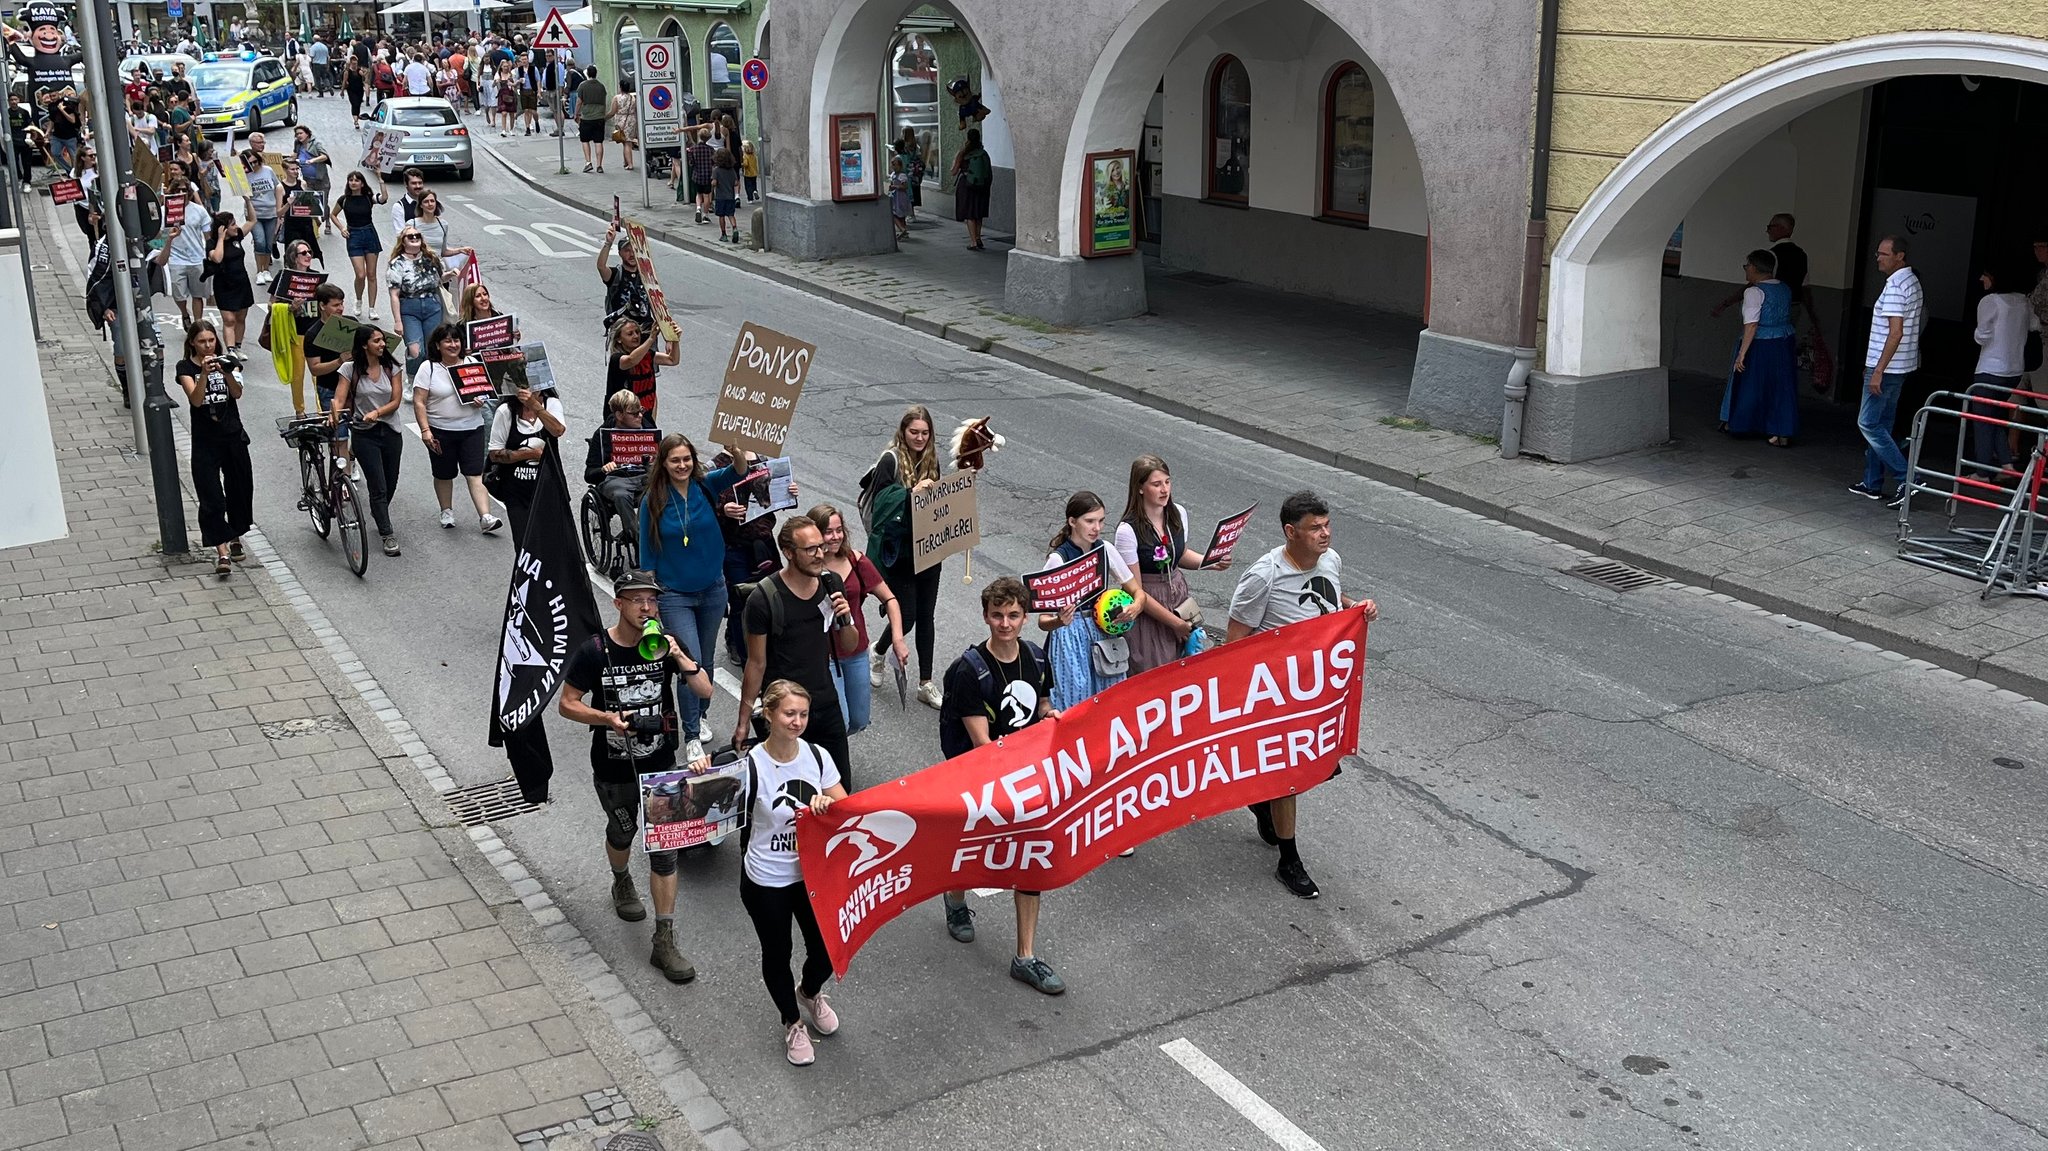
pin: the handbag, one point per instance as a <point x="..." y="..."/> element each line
<point x="618" y="135"/>
<point x="1190" y="611"/>
<point x="1110" y="656"/>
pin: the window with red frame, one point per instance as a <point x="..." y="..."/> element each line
<point x="1230" y="131"/>
<point x="1347" y="145"/>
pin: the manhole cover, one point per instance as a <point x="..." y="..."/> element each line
<point x="1205" y="279"/>
<point x="1614" y="574"/>
<point x="309" y="725"/>
<point x="487" y="802"/>
<point x="630" y="1141"/>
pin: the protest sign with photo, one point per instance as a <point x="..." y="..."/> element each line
<point x="472" y="382"/>
<point x="943" y="519"/>
<point x="506" y="368"/>
<point x="495" y="332"/>
<point x="629" y="447"/>
<point x="681" y="809"/>
<point x="764" y="378"/>
<point x="1075" y="582"/>
<point x="1267" y="716"/>
<point x="766" y="488"/>
<point x="1225" y="540"/>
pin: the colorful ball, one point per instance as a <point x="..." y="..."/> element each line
<point x="1107" y="607"/>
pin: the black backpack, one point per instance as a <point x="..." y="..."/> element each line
<point x="953" y="739"/>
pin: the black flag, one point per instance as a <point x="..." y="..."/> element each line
<point x="548" y="611"/>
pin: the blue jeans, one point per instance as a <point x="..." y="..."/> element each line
<point x="1991" y="443"/>
<point x="421" y="315"/>
<point x="856" y="695"/>
<point x="63" y="154"/>
<point x="692" y="617"/>
<point x="1874" y="419"/>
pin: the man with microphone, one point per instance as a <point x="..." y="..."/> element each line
<point x="796" y="622"/>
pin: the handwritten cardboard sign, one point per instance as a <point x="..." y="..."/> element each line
<point x="380" y="149"/>
<point x="473" y="382"/>
<point x="643" y="261"/>
<point x="1075" y="582"/>
<point x="630" y="447"/>
<point x="944" y="520"/>
<point x="1225" y="540"/>
<point x="492" y="332"/>
<point x="64" y="192"/>
<point x="764" y="377"/>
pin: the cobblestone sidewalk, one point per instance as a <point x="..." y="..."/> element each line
<point x="231" y="914"/>
<point x="1771" y="527"/>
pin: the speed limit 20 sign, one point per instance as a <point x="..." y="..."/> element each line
<point x="661" y="112"/>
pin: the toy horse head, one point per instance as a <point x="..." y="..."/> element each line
<point x="972" y="442"/>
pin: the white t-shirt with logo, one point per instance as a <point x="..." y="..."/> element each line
<point x="1274" y="593"/>
<point x="778" y="790"/>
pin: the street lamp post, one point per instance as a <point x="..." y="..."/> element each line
<point x="136" y="325"/>
<point x="14" y="208"/>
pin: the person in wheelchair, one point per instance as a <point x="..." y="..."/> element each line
<point x="618" y="487"/>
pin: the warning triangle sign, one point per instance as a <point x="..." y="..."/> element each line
<point x="554" y="32"/>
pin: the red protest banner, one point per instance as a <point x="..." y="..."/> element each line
<point x="1225" y="540"/>
<point x="64" y="192"/>
<point x="1075" y="582"/>
<point x="1267" y="716"/>
<point x="473" y="382"/>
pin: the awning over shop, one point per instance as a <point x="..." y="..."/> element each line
<point x="442" y="7"/>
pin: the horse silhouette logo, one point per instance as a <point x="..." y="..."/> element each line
<point x="875" y="838"/>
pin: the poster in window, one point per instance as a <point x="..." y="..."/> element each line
<point x="853" y="150"/>
<point x="1107" y="227"/>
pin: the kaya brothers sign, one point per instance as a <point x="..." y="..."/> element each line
<point x="1267" y="716"/>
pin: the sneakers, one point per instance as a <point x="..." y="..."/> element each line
<point x="390" y="545"/>
<point x="875" y="670"/>
<point x="263" y="277"/>
<point x="626" y="901"/>
<point x="447" y="517"/>
<point x="1295" y="876"/>
<point x="959" y="920"/>
<point x="666" y="958"/>
<point x="1263" y="813"/>
<point x="822" y="1016"/>
<point x="928" y="695"/>
<point x="801" y="1053"/>
<point x="1897" y="499"/>
<point x="1857" y="489"/>
<point x="489" y="523"/>
<point x="236" y="553"/>
<point x="1039" y="974"/>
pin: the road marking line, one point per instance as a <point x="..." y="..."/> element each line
<point x="488" y="215"/>
<point x="1242" y="1099"/>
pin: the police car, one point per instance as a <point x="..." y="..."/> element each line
<point x="239" y="96"/>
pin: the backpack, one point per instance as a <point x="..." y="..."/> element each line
<point x="953" y="739"/>
<point x="976" y="170"/>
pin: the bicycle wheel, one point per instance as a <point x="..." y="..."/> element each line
<point x="313" y="481"/>
<point x="355" y="541"/>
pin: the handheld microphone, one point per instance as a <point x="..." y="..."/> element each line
<point x="835" y="586"/>
<point x="653" y="643"/>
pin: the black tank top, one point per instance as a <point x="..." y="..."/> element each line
<point x="358" y="210"/>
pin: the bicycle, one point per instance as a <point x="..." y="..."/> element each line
<point x="328" y="496"/>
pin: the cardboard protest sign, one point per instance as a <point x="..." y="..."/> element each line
<point x="681" y="809"/>
<point x="64" y="192"/>
<point x="1075" y="582"/>
<point x="1267" y="716"/>
<point x="943" y="519"/>
<point x="337" y="334"/>
<point x="472" y="382"/>
<point x="629" y="447"/>
<point x="380" y="149"/>
<point x="643" y="261"/>
<point x="1225" y="540"/>
<point x="764" y="377"/>
<point x="495" y="332"/>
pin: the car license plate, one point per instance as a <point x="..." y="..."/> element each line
<point x="429" y="158"/>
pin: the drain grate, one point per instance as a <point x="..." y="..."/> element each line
<point x="630" y="1141"/>
<point x="308" y="725"/>
<point x="1614" y="574"/>
<point x="487" y="802"/>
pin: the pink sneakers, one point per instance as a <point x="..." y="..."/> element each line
<point x="822" y="1016"/>
<point x="800" y="1052"/>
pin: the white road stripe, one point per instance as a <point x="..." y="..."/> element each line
<point x="488" y="215"/>
<point x="1242" y="1099"/>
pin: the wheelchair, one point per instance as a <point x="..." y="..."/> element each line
<point x="611" y="543"/>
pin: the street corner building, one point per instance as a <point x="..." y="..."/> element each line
<point x="1580" y="178"/>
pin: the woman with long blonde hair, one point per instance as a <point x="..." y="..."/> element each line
<point x="414" y="272"/>
<point x="910" y="462"/>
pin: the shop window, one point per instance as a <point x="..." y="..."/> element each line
<point x="914" y="101"/>
<point x="726" y="60"/>
<point x="1230" y="131"/>
<point x="627" y="39"/>
<point x="1347" y="145"/>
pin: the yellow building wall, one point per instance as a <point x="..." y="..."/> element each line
<point x="1624" y="67"/>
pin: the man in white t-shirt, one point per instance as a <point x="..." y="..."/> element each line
<point x="1299" y="580"/>
<point x="419" y="79"/>
<point x="1892" y="355"/>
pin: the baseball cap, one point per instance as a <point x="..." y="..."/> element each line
<point x="636" y="581"/>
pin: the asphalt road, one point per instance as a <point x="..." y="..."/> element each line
<point x="1624" y="871"/>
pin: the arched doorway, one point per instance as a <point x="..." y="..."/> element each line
<point x="626" y="49"/>
<point x="724" y="56"/>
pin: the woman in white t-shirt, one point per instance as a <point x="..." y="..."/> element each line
<point x="2004" y="320"/>
<point x="451" y="427"/>
<point x="1080" y="670"/>
<point x="783" y="774"/>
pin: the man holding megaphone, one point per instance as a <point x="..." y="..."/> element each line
<point x="621" y="684"/>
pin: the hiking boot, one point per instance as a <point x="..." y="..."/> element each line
<point x="667" y="958"/>
<point x="1039" y="974"/>
<point x="798" y="1041"/>
<point x="1295" y="876"/>
<point x="625" y="900"/>
<point x="1263" y="813"/>
<point x="822" y="1016"/>
<point x="959" y="921"/>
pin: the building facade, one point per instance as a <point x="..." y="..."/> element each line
<point x="718" y="37"/>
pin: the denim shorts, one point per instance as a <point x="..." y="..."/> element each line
<point x="363" y="241"/>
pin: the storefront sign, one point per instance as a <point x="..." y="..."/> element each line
<point x="764" y="378"/>
<point x="1108" y="225"/>
<point x="944" y="520"/>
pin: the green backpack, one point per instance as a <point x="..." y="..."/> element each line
<point x="976" y="171"/>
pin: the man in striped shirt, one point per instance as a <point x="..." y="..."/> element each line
<point x="1892" y="355"/>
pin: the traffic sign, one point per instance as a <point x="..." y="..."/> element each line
<point x="661" y="93"/>
<point x="755" y="74"/>
<point x="554" y="32"/>
<point x="657" y="57"/>
<point x="660" y="97"/>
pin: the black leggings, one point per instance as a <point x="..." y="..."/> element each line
<point x="377" y="448"/>
<point x="771" y="909"/>
<point x="918" y="593"/>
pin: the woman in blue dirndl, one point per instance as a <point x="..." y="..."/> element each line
<point x="1072" y="632"/>
<point x="1763" y="386"/>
